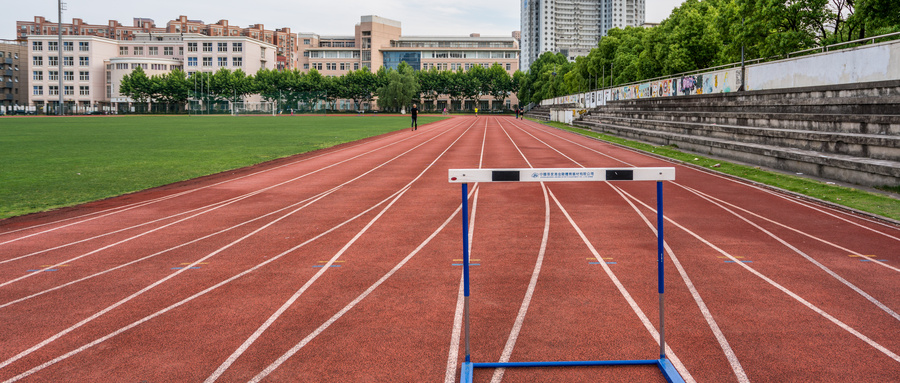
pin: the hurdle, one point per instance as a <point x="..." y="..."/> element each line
<point x="466" y="176"/>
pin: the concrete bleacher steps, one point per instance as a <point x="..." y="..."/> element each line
<point x="849" y="133"/>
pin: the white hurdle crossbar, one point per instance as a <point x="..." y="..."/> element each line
<point x="466" y="176"/>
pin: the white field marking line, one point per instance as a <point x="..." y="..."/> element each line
<point x="622" y="290"/>
<point x="579" y="144"/>
<point x="186" y="300"/>
<point x="453" y="355"/>
<point x="272" y="318"/>
<point x="804" y="255"/>
<point x="709" y="197"/>
<point x="730" y="355"/>
<point x="112" y="211"/>
<point x="123" y="301"/>
<point x="529" y="292"/>
<point x="151" y="286"/>
<point x="284" y="357"/>
<point x="785" y="290"/>
<point x="821" y="209"/>
<point x="458" y="315"/>
<point x="229" y="201"/>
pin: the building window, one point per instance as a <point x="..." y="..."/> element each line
<point x="37" y="90"/>
<point x="68" y="46"/>
<point x="84" y="76"/>
<point x="207" y="61"/>
<point x="123" y="51"/>
<point x="37" y="75"/>
<point x="508" y="66"/>
<point x="68" y="76"/>
<point x="37" y="61"/>
<point x="237" y="47"/>
<point x="305" y="41"/>
<point x="181" y="51"/>
<point x="153" y="51"/>
<point x="306" y="66"/>
<point x="84" y="90"/>
<point x="168" y="51"/>
<point x="355" y="66"/>
<point x="138" y="51"/>
<point x="84" y="46"/>
<point x="52" y="46"/>
<point x="223" y="61"/>
<point x="223" y="47"/>
<point x="192" y="61"/>
<point x="68" y="61"/>
<point x="53" y="61"/>
<point x="53" y="90"/>
<point x="84" y="61"/>
<point x="237" y="61"/>
<point x="207" y="47"/>
<point x="343" y="67"/>
<point x="37" y="46"/>
<point x="192" y="47"/>
<point x="69" y="90"/>
<point x="305" y="53"/>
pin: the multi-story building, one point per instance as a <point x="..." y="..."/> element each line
<point x="377" y="42"/>
<point x="572" y="27"/>
<point x="285" y="41"/>
<point x="13" y="66"/>
<point x="93" y="67"/>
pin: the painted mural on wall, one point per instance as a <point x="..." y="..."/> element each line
<point x="724" y="81"/>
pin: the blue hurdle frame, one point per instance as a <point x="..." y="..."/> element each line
<point x="665" y="366"/>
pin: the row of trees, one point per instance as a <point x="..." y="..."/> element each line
<point x="394" y="89"/>
<point x="703" y="34"/>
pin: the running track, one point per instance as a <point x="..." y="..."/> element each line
<point x="341" y="265"/>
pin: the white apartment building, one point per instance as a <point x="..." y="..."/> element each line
<point x="572" y="27"/>
<point x="93" y="66"/>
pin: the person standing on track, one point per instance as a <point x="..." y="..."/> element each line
<point x="476" y="111"/>
<point x="517" y="112"/>
<point x="414" y="112"/>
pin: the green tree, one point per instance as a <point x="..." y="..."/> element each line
<point x="359" y="86"/>
<point x="401" y="89"/>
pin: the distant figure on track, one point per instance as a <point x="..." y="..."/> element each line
<point x="517" y="113"/>
<point x="476" y="111"/>
<point x="414" y="112"/>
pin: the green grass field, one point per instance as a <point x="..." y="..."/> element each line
<point x="862" y="200"/>
<point x="49" y="162"/>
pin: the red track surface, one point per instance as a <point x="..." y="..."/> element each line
<point x="248" y="300"/>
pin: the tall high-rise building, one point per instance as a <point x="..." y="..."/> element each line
<point x="572" y="27"/>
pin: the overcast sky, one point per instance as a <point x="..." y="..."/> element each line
<point x="457" y="18"/>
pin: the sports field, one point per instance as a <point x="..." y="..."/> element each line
<point x="344" y="265"/>
<point x="53" y="162"/>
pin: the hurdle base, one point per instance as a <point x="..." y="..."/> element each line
<point x="665" y="366"/>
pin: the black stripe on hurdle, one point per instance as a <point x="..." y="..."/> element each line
<point x="505" y="175"/>
<point x="619" y="175"/>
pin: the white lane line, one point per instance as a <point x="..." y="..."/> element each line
<point x="453" y="355"/>
<point x="711" y="198"/>
<point x="284" y="357"/>
<point x="818" y="264"/>
<point x="783" y="289"/>
<point x="123" y="301"/>
<point x="529" y="293"/>
<point x="624" y="292"/>
<point x="272" y="318"/>
<point x="730" y="355"/>
<point x="458" y="315"/>
<point x="112" y="211"/>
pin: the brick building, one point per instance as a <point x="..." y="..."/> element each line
<point x="13" y="69"/>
